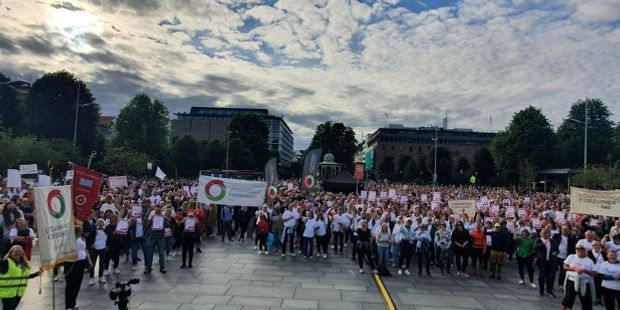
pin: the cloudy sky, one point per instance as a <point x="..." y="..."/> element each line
<point x="352" y="61"/>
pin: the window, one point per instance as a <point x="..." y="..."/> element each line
<point x="392" y="147"/>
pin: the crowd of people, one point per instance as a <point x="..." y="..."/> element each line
<point x="386" y="232"/>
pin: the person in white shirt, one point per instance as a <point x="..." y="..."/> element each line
<point x="108" y="205"/>
<point x="338" y="227"/>
<point x="598" y="257"/>
<point x="308" y="234"/>
<point x="289" y="218"/>
<point x="580" y="271"/>
<point x="384" y="240"/>
<point x="321" y="236"/>
<point x="396" y="238"/>
<point x="588" y="241"/>
<point x="613" y="245"/>
<point x="609" y="271"/>
<point x="423" y="246"/>
<point x="98" y="251"/>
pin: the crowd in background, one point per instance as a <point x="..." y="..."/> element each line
<point x="152" y="218"/>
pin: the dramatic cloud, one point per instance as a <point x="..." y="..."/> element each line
<point x="362" y="62"/>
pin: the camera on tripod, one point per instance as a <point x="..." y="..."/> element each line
<point x="121" y="292"/>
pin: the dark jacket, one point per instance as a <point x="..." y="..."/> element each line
<point x="572" y="242"/>
<point x="540" y="250"/>
<point x="501" y="240"/>
<point x="591" y="256"/>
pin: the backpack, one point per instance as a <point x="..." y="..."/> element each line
<point x="383" y="271"/>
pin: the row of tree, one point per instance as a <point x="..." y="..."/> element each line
<point x="38" y="128"/>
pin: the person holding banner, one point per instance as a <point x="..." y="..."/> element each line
<point x="189" y="237"/>
<point x="14" y="275"/>
<point x="74" y="271"/>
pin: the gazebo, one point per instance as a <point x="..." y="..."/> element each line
<point x="328" y="168"/>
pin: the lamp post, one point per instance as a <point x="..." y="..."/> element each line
<point x="90" y="158"/>
<point x="435" y="165"/>
<point x="77" y="109"/>
<point x="227" y="144"/>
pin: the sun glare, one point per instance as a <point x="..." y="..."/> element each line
<point x="74" y="25"/>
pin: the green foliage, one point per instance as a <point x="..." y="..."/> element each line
<point x="51" y="110"/>
<point x="32" y="150"/>
<point x="11" y="110"/>
<point x="143" y="125"/>
<point x="125" y="161"/>
<point x="387" y="166"/>
<point x="240" y="157"/>
<point x="602" y="147"/>
<point x="528" y="137"/>
<point x="186" y="157"/>
<point x="337" y="139"/>
<point x="213" y="155"/>
<point x="411" y="171"/>
<point x="462" y="170"/>
<point x="251" y="135"/>
<point x="598" y="178"/>
<point x="484" y="166"/>
<point x="444" y="164"/>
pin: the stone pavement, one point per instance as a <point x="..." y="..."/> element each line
<point x="232" y="276"/>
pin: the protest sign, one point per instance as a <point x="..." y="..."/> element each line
<point x="468" y="205"/>
<point x="160" y="174"/>
<point x="28" y="169"/>
<point x="231" y="192"/>
<point x="372" y="196"/>
<point x="593" y="202"/>
<point x="14" y="179"/>
<point x="510" y="212"/>
<point x="117" y="181"/>
<point x="122" y="227"/>
<point x="383" y="195"/>
<point x="44" y="180"/>
<point x="392" y="193"/>
<point x="423" y="198"/>
<point x="364" y="194"/>
<point x="136" y="211"/>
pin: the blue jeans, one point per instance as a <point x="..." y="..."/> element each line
<point x="396" y="253"/>
<point x="308" y="246"/>
<point x="384" y="252"/>
<point x="135" y="244"/>
<point x="161" y="245"/>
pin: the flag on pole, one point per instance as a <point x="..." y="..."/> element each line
<point x="311" y="170"/>
<point x="160" y="174"/>
<point x="271" y="177"/>
<point x="54" y="216"/>
<point x="86" y="185"/>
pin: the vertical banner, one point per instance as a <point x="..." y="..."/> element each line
<point x="57" y="242"/>
<point x="359" y="171"/>
<point x="311" y="170"/>
<point x="86" y="185"/>
<point x="271" y="177"/>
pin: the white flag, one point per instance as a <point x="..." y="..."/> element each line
<point x="44" y="180"/>
<point x="160" y="174"/>
<point x="54" y="215"/>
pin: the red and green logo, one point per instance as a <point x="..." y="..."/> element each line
<point x="215" y="183"/>
<point x="272" y="192"/>
<point x="55" y="211"/>
<point x="309" y="181"/>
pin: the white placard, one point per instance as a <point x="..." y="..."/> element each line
<point x="436" y="196"/>
<point x="424" y="198"/>
<point x="536" y="223"/>
<point x="560" y="217"/>
<point x="117" y="181"/>
<point x="372" y="196"/>
<point x="122" y="227"/>
<point x="14" y="179"/>
<point x="383" y="195"/>
<point x="392" y="193"/>
<point x="28" y="169"/>
<point x="186" y="189"/>
<point x="363" y="194"/>
<point x="69" y="175"/>
<point x="190" y="224"/>
<point x="136" y="210"/>
<point x="404" y="199"/>
<point x="44" y="180"/>
<point x="510" y="212"/>
<point x="522" y="213"/>
<point x="158" y="222"/>
<point x="434" y="205"/>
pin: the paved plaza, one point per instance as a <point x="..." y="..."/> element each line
<point x="232" y="276"/>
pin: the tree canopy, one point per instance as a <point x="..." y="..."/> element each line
<point x="186" y="157"/>
<point x="11" y="110"/>
<point x="337" y="139"/>
<point x="484" y="166"/>
<point x="251" y="134"/>
<point x="143" y="125"/>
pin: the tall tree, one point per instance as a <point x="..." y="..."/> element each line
<point x="125" y="161"/>
<point x="241" y="157"/>
<point x="186" y="157"/>
<point x="601" y="144"/>
<point x="51" y="110"/>
<point x="213" y="155"/>
<point x="484" y="166"/>
<point x="337" y="139"/>
<point x="143" y="125"/>
<point x="252" y="133"/>
<point x="528" y="138"/>
<point x="444" y="164"/>
<point x="11" y="110"/>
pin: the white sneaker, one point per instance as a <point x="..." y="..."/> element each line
<point x="324" y="256"/>
<point x="260" y="252"/>
<point x="345" y="245"/>
<point x="106" y="273"/>
<point x="361" y="270"/>
<point x="255" y="247"/>
<point x="76" y="307"/>
<point x="532" y="285"/>
<point x="116" y="271"/>
<point x="400" y="271"/>
<point x="521" y="282"/>
<point x="458" y="273"/>
<point x="407" y="272"/>
<point x="91" y="282"/>
<point x="102" y="281"/>
<point x="283" y="255"/>
<point x="375" y="271"/>
<point x="266" y="252"/>
<point x="134" y="268"/>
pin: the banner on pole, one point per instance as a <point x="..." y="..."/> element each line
<point x="28" y="169"/>
<point x="593" y="202"/>
<point x="310" y="174"/>
<point x="117" y="181"/>
<point x="469" y="205"/>
<point x="53" y="212"/>
<point x="86" y="185"/>
<point x="231" y="192"/>
<point x="271" y="177"/>
<point x="359" y="171"/>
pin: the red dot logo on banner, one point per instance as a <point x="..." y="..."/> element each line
<point x="216" y="183"/>
<point x="80" y="200"/>
<point x="272" y="193"/>
<point x="309" y="181"/>
<point x="56" y="210"/>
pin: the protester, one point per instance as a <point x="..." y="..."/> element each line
<point x="189" y="224"/>
<point x="14" y="275"/>
<point x="423" y="247"/>
<point x="262" y="234"/>
<point x="384" y="241"/>
<point x="22" y="235"/>
<point x="406" y="246"/>
<point x="363" y="247"/>
<point x="609" y="271"/>
<point x="598" y="257"/>
<point x="580" y="272"/>
<point x="525" y="256"/>
<point x="461" y="242"/>
<point x="546" y="250"/>
<point x="74" y="271"/>
<point x="99" y="251"/>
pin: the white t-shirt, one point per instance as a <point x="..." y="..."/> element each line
<point x="610" y="269"/>
<point x="81" y="248"/>
<point x="586" y="244"/>
<point x="13" y="233"/>
<point x="322" y="228"/>
<point x="575" y="261"/>
<point x="290" y="218"/>
<point x="598" y="257"/>
<point x="100" y="240"/>
<point x="309" y="229"/>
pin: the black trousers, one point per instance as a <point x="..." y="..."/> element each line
<point x="569" y="297"/>
<point x="289" y="236"/>
<point x="338" y="239"/>
<point x="546" y="275"/>
<point x="526" y="262"/>
<point x="364" y="252"/>
<point x="460" y="255"/>
<point x="321" y="243"/>
<point x="426" y="256"/>
<point x="611" y="298"/>
<point x="74" y="273"/>
<point x="406" y="251"/>
<point x="10" y="303"/>
<point x="187" y="248"/>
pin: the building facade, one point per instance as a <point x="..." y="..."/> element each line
<point x="211" y="123"/>
<point x="398" y="141"/>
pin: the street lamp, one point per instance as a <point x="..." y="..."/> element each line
<point x="227" y="144"/>
<point x="435" y="168"/>
<point x="585" y="135"/>
<point x="90" y="158"/>
<point x="75" y="125"/>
